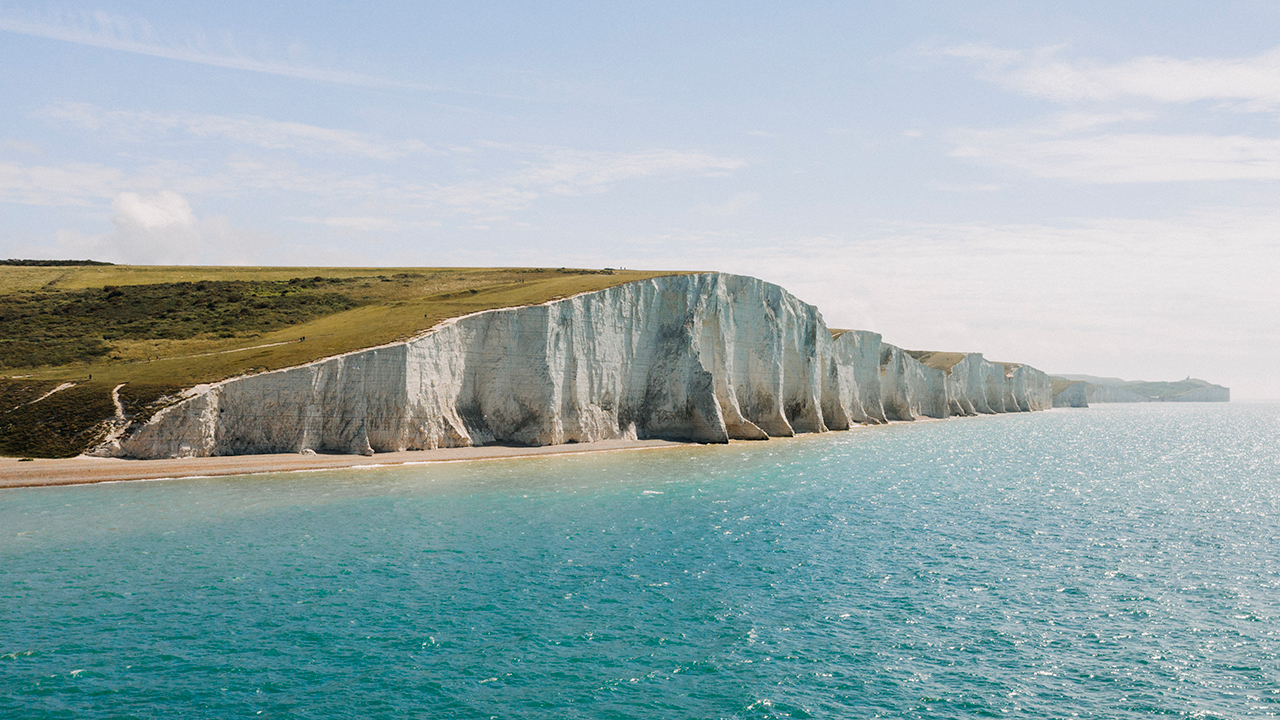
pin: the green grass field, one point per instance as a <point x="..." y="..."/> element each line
<point x="162" y="329"/>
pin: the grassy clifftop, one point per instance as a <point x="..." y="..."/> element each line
<point x="88" y="329"/>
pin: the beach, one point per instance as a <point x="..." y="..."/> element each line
<point x="83" y="470"/>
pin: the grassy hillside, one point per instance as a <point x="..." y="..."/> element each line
<point x="162" y="329"/>
<point x="943" y="361"/>
<point x="1059" y="384"/>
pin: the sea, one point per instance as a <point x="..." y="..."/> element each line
<point x="1119" y="561"/>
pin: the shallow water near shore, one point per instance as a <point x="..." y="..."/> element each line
<point x="1119" y="561"/>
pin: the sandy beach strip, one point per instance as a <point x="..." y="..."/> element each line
<point x="16" y="473"/>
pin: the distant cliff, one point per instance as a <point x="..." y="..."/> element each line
<point x="1115" y="390"/>
<point x="1070" y="393"/>
<point x="705" y="357"/>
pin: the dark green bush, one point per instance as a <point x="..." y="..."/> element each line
<point x="54" y="327"/>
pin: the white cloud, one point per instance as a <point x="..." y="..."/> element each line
<point x="164" y="210"/>
<point x="1042" y="72"/>
<point x="247" y="129"/>
<point x="162" y="229"/>
<point x="158" y="229"/>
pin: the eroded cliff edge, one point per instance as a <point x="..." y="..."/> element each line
<point x="706" y="357"/>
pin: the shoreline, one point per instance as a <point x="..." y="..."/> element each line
<point x="84" y="470"/>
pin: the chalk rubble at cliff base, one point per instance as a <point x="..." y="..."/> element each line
<point x="704" y="357"/>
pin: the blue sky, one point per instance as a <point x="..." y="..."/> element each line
<point x="1087" y="187"/>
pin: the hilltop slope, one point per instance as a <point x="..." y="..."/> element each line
<point x="1112" y="390"/>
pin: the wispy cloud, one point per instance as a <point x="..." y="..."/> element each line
<point x="1126" y="157"/>
<point x="361" y="224"/>
<point x="112" y="32"/>
<point x="967" y="187"/>
<point x="247" y="129"/>
<point x="552" y="171"/>
<point x="731" y="207"/>
<point x="71" y="184"/>
<point x="90" y="184"/>
<point x="22" y="146"/>
<point x="570" y="172"/>
<point x="1120" y="139"/>
<point x="1044" y="72"/>
<point x="487" y="198"/>
<point x="567" y="172"/>
<point x="517" y="178"/>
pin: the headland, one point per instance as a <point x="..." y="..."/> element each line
<point x="499" y="359"/>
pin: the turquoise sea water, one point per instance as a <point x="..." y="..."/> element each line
<point x="1116" y="562"/>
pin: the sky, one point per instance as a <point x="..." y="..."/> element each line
<point x="1086" y="187"/>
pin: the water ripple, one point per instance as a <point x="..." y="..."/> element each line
<point x="1119" y="562"/>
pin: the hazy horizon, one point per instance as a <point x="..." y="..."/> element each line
<point x="1085" y="189"/>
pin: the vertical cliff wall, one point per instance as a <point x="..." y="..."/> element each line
<point x="1216" y="393"/>
<point x="1110" y="394"/>
<point x="910" y="389"/>
<point x="1071" y="395"/>
<point x="705" y="357"/>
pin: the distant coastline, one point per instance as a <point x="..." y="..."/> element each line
<point x="1092" y="389"/>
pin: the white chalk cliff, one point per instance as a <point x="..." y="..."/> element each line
<point x="1073" y="395"/>
<point x="706" y="357"/>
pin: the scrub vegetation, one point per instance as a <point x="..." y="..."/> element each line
<point x="158" y="330"/>
<point x="943" y="361"/>
<point x="51" y="327"/>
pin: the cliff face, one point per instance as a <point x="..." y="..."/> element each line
<point x="1114" y="394"/>
<point x="705" y="357"/>
<point x="1216" y="393"/>
<point x="910" y="389"/>
<point x="1072" y="395"/>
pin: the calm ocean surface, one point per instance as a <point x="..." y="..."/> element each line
<point x="1116" y="562"/>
